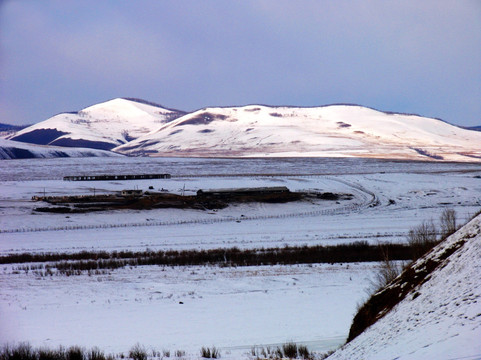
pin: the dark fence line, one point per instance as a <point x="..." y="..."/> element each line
<point x="115" y="177"/>
<point x="331" y="211"/>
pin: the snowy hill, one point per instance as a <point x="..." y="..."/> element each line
<point x="16" y="150"/>
<point x="102" y="126"/>
<point x="440" y="318"/>
<point x="7" y="129"/>
<point x="330" y="131"/>
<point x="139" y="128"/>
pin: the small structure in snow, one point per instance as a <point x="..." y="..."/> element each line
<point x="131" y="193"/>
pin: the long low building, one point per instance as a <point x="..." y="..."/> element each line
<point x="244" y="191"/>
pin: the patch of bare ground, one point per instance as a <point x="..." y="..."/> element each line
<point x="151" y="200"/>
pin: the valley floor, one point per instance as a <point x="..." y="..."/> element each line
<point x="231" y="308"/>
<point x="185" y="308"/>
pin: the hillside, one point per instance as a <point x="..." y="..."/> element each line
<point x="16" y="150"/>
<point x="102" y="126"/>
<point x="439" y="316"/>
<point x="138" y="128"/>
<point x="330" y="131"/>
<point x="7" y="129"/>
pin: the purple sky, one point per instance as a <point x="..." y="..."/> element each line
<point x="415" y="56"/>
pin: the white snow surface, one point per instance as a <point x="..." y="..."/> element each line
<point x="329" y="131"/>
<point x="136" y="128"/>
<point x="109" y="122"/>
<point x="404" y="194"/>
<point x="443" y="320"/>
<point x="9" y="149"/>
<point x="231" y="308"/>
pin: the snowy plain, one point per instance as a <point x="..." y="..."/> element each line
<point x="231" y="308"/>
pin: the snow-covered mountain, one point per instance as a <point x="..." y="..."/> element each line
<point x="438" y="318"/>
<point x="335" y="131"/>
<point x="102" y="126"/>
<point x="7" y="129"/>
<point x="138" y="128"/>
<point x="17" y="150"/>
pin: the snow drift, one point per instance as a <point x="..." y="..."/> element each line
<point x="439" y="316"/>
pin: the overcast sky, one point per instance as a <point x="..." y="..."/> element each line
<point x="415" y="56"/>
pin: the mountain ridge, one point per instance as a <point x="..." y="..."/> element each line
<point x="348" y="130"/>
<point x="136" y="127"/>
<point x="17" y="150"/>
<point x="99" y="126"/>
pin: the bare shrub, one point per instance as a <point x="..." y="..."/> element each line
<point x="22" y="351"/>
<point x="422" y="238"/>
<point x="388" y="271"/>
<point x="208" y="353"/>
<point x="448" y="223"/>
<point x="138" y="352"/>
<point x="97" y="354"/>
<point x="179" y="353"/>
<point x="49" y="354"/>
<point x="289" y="350"/>
<point x="74" y="353"/>
<point x="304" y="352"/>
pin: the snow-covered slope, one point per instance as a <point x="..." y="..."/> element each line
<point x="16" y="150"/>
<point x="7" y="129"/>
<point x="102" y="126"/>
<point x="438" y="319"/>
<point x="336" y="130"/>
<point x="135" y="127"/>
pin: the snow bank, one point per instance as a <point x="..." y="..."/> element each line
<point x="439" y="319"/>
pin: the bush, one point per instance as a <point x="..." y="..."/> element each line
<point x="22" y="351"/>
<point x="138" y="352"/>
<point x="388" y="271"/>
<point x="49" y="354"/>
<point x="303" y="352"/>
<point x="179" y="353"/>
<point x="448" y="223"/>
<point x="74" y="353"/>
<point x="207" y="353"/>
<point x="97" y="354"/>
<point x="422" y="238"/>
<point x="290" y="350"/>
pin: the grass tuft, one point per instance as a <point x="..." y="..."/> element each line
<point x="209" y="353"/>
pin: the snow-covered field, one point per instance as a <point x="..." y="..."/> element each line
<point x="231" y="308"/>
<point x="185" y="308"/>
